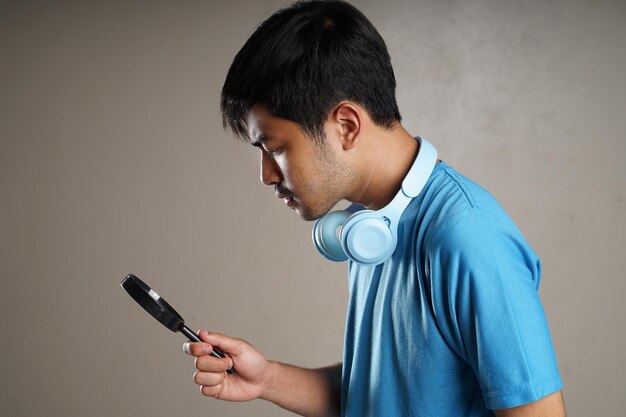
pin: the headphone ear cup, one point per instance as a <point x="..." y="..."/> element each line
<point x="325" y="236"/>
<point x="366" y="239"/>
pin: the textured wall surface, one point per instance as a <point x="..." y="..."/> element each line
<point x="113" y="160"/>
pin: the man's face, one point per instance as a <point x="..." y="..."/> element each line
<point x="309" y="176"/>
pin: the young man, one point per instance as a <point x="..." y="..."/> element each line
<point x="451" y="324"/>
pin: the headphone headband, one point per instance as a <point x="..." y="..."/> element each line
<point x="413" y="182"/>
<point x="419" y="173"/>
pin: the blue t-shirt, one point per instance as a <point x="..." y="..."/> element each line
<point x="451" y="325"/>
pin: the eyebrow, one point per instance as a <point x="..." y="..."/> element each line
<point x="259" y="141"/>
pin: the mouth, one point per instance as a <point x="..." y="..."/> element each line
<point x="288" y="199"/>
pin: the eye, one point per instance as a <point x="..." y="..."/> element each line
<point x="275" y="152"/>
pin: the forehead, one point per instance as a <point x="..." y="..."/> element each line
<point x="257" y="120"/>
<point x="263" y="126"/>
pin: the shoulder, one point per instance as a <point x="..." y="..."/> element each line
<point x="463" y="222"/>
<point x="452" y="203"/>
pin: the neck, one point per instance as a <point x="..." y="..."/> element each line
<point x="386" y="157"/>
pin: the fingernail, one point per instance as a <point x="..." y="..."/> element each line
<point x="186" y="348"/>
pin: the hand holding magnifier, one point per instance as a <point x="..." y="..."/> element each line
<point x="161" y="310"/>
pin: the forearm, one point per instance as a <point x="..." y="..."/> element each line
<point x="308" y="392"/>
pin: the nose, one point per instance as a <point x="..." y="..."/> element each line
<point x="270" y="172"/>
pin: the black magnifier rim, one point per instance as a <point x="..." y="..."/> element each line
<point x="157" y="307"/>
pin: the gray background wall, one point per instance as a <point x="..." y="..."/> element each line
<point x="113" y="160"/>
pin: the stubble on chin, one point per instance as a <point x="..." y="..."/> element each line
<point x="333" y="177"/>
<point x="307" y="214"/>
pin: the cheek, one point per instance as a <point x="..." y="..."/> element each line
<point x="294" y="173"/>
<point x="304" y="177"/>
<point x="284" y="167"/>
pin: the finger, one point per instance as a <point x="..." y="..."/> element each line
<point x="212" y="391"/>
<point x="207" y="363"/>
<point x="208" y="378"/>
<point x="197" y="348"/>
<point x="224" y="343"/>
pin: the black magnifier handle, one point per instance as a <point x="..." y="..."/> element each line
<point x="192" y="336"/>
<point x="216" y="353"/>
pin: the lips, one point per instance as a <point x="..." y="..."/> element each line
<point x="287" y="198"/>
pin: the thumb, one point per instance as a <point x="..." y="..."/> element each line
<point x="224" y="343"/>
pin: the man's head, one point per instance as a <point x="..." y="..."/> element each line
<point x="295" y="70"/>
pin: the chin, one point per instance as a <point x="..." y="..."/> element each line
<point x="308" y="214"/>
<point x="305" y="215"/>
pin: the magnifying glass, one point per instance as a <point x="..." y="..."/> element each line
<point x="158" y="308"/>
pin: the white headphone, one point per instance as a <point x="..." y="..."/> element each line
<point x="369" y="237"/>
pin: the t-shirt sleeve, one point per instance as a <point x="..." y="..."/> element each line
<point x="484" y="280"/>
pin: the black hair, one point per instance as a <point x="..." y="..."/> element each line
<point x="305" y="59"/>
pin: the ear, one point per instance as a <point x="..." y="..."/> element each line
<point x="346" y="118"/>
